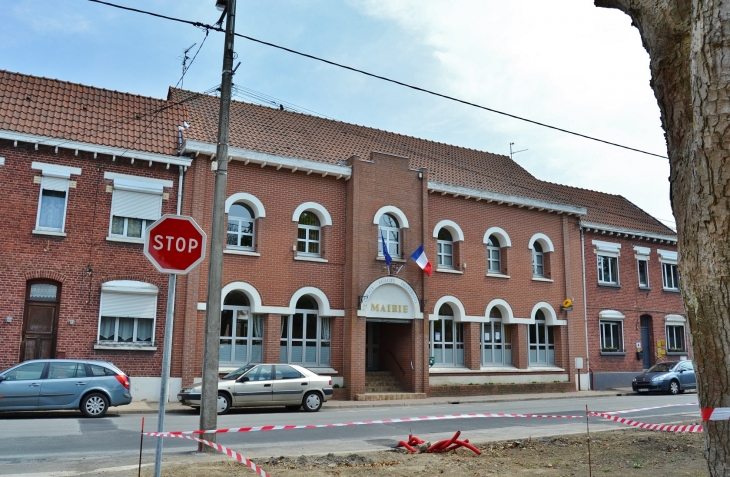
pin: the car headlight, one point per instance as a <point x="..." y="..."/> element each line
<point x="661" y="377"/>
<point x="633" y="380"/>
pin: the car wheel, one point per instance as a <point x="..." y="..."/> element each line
<point x="224" y="403"/>
<point x="94" y="405"/>
<point x="293" y="408"/>
<point x="674" y="387"/>
<point x="312" y="402"/>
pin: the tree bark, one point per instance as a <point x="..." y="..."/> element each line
<point x="688" y="42"/>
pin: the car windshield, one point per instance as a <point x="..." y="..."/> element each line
<point x="662" y="367"/>
<point x="239" y="372"/>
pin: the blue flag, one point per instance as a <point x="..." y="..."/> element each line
<point x="385" y="250"/>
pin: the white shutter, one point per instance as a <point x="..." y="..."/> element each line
<point x="55" y="183"/>
<point x="128" y="305"/>
<point x="136" y="205"/>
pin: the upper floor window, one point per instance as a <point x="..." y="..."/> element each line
<point x="538" y="260"/>
<point x="607" y="270"/>
<point x="494" y="255"/>
<point x="445" y="250"/>
<point x="670" y="274"/>
<point x="53" y="197"/>
<point x="127" y="313"/>
<point x="240" y="233"/>
<point x="642" y="265"/>
<point x="389" y="229"/>
<point x="136" y="204"/>
<point x="309" y="235"/>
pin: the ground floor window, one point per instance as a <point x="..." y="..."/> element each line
<point x="612" y="336"/>
<point x="242" y="334"/>
<point x="306" y="337"/>
<point x="128" y="310"/>
<point x="675" y="339"/>
<point x="496" y="341"/>
<point x="542" y="341"/>
<point x="447" y="339"/>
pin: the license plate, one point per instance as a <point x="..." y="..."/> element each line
<point x="643" y="390"/>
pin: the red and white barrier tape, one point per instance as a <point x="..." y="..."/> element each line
<point x="651" y="427"/>
<point x="225" y="450"/>
<point x="715" y="413"/>
<point x="627" y="411"/>
<point x="363" y="423"/>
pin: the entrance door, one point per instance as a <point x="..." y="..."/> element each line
<point x="646" y="340"/>
<point x="40" y="320"/>
<point x="372" y="346"/>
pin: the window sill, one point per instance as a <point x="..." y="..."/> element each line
<point x="304" y="258"/>
<point x="392" y="259"/>
<point x="613" y="353"/>
<point x="609" y="285"/>
<point x="542" y="279"/>
<point x="241" y="252"/>
<point x="125" y="347"/>
<point x="451" y="369"/>
<point x="671" y="290"/>
<point x="52" y="233"/>
<point x="498" y="275"/>
<point x="644" y="288"/>
<point x="544" y="368"/>
<point x="111" y="238"/>
<point x="676" y="353"/>
<point x="449" y="270"/>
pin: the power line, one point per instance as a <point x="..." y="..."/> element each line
<point x="383" y="78"/>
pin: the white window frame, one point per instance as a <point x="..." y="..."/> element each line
<point x="249" y="340"/>
<point x="307" y="314"/>
<point x="127" y="188"/>
<point x="134" y="293"/>
<point x="675" y="325"/>
<point x="457" y="343"/>
<point x="538" y="327"/>
<point x="441" y="254"/>
<point x="493" y="326"/>
<point x="385" y="232"/>
<point x="538" y="263"/>
<point x="670" y="271"/>
<point x="609" y="347"/>
<point x="613" y="275"/>
<point x="642" y="257"/>
<point x="494" y="256"/>
<point x="307" y="240"/>
<point x="239" y="234"/>
<point x="54" y="173"/>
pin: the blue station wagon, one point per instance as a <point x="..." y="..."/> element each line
<point x="52" y="384"/>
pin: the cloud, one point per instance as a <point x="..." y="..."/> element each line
<point x="61" y="23"/>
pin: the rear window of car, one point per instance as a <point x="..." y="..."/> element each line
<point x="97" y="370"/>
<point x="287" y="372"/>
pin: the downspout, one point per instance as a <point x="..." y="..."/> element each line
<point x="585" y="306"/>
<point x="179" y="190"/>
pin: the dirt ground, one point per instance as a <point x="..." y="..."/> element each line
<point x="623" y="452"/>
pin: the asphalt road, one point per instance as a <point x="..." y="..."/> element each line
<point x="64" y="444"/>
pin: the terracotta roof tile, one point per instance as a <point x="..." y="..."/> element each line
<point x="63" y="110"/>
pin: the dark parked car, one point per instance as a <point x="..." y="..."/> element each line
<point x="673" y="377"/>
<point x="51" y="384"/>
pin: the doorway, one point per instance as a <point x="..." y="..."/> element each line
<point x="40" y="320"/>
<point x="646" y="340"/>
<point x="372" y="346"/>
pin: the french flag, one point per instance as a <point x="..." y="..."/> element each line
<point x="420" y="257"/>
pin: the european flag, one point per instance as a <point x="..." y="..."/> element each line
<point x="385" y="250"/>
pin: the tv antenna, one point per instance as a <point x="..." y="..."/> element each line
<point x="512" y="153"/>
<point x="185" y="62"/>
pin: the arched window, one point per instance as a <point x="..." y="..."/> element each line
<point x="242" y="334"/>
<point x="309" y="235"/>
<point x="445" y="251"/>
<point x="240" y="227"/>
<point x="447" y="339"/>
<point x="305" y="336"/>
<point x="538" y="260"/>
<point x="494" y="255"/>
<point x="496" y="340"/>
<point x="542" y="341"/>
<point x="389" y="229"/>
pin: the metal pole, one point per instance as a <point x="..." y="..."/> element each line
<point x="141" y="441"/>
<point x="209" y="398"/>
<point x="166" y="352"/>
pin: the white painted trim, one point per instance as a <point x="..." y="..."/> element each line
<point x="305" y="258"/>
<point x="114" y="238"/>
<point x="497" y="275"/>
<point x="129" y="177"/>
<point x="318" y="209"/>
<point x="255" y="157"/>
<point x="628" y="232"/>
<point x="86" y="147"/>
<point x="449" y="270"/>
<point x="389" y="209"/>
<point x="248" y="199"/>
<point x="551" y="319"/>
<point x="2" y="161"/>
<point x="456" y="305"/>
<point x="611" y="315"/>
<point x="540" y="205"/>
<point x="504" y="240"/>
<point x="202" y="306"/>
<point x="544" y="240"/>
<point x="48" y="232"/>
<point x="54" y="169"/>
<point x="129" y="286"/>
<point x="508" y="317"/>
<point x="542" y="279"/>
<point x="390" y="280"/>
<point x="642" y="253"/>
<point x="323" y="303"/>
<point x="675" y="319"/>
<point x="125" y="347"/>
<point x="230" y="251"/>
<point x="611" y="249"/>
<point x="254" y="298"/>
<point x="452" y="227"/>
<point x="257" y="307"/>
<point x="667" y="256"/>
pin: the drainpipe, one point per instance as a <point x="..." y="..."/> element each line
<point x="585" y="306"/>
<point x="179" y="190"/>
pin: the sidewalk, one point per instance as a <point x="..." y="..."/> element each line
<point x="144" y="407"/>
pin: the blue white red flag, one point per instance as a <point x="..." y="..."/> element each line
<point x="420" y="257"/>
<point x="385" y="250"/>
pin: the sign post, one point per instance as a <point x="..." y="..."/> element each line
<point x="175" y="244"/>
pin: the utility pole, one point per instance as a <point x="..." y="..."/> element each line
<point x="209" y="398"/>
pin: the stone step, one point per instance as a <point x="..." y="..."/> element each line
<point x="381" y="381"/>
<point x="388" y="396"/>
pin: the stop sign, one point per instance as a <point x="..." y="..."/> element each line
<point x="174" y="244"/>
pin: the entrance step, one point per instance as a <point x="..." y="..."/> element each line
<point x="388" y="396"/>
<point x="382" y="382"/>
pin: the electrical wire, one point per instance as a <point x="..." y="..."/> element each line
<point x="383" y="78"/>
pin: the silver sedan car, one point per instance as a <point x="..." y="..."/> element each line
<point x="266" y="385"/>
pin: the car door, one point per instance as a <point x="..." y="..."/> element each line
<point x="289" y="385"/>
<point x="689" y="377"/>
<point x="64" y="383"/>
<point x="257" y="389"/>
<point x="21" y="386"/>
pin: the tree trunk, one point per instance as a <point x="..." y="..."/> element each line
<point x="689" y="45"/>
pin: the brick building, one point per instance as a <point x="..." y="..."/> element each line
<point x="311" y="205"/>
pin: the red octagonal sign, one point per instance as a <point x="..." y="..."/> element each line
<point x="174" y="244"/>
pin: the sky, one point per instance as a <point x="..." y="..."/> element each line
<point x="565" y="63"/>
